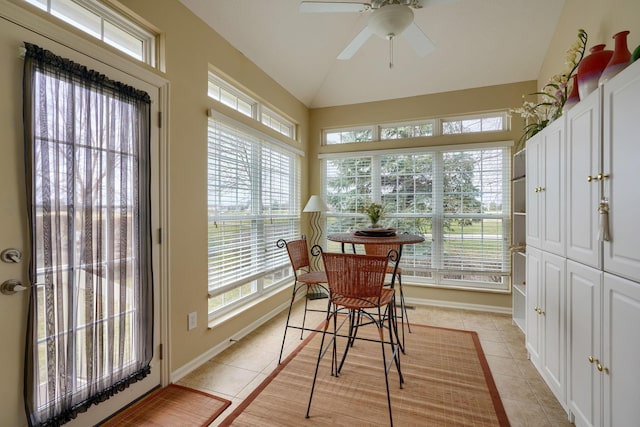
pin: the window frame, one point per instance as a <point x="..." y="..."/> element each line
<point x="257" y="109"/>
<point x="481" y="117"/>
<point x="377" y="130"/>
<point x="107" y="13"/>
<point x="432" y="122"/>
<point x="283" y="123"/>
<point x="276" y="271"/>
<point x="437" y="276"/>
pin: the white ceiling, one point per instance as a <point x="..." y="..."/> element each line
<point x="478" y="43"/>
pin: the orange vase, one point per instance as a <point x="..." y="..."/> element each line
<point x="620" y="59"/>
<point x="591" y="68"/>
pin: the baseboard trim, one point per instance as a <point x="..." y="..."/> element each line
<point x="214" y="351"/>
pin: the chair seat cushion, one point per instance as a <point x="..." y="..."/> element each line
<point x="363" y="303"/>
<point x="313" y="278"/>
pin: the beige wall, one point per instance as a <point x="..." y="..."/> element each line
<point x="190" y="48"/>
<point x="601" y="19"/>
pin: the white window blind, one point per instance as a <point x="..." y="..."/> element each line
<point x="253" y="200"/>
<point x="458" y="198"/>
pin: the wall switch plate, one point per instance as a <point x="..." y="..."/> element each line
<point x="193" y="320"/>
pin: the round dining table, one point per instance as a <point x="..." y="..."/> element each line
<point x="356" y="239"/>
<point x="399" y="239"/>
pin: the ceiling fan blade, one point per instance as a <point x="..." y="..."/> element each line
<point x="328" y="7"/>
<point x="355" y="44"/>
<point x="426" y="3"/>
<point x="418" y="40"/>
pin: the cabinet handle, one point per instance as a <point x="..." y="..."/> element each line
<point x="589" y="178"/>
<point x="602" y="368"/>
<point x="592" y="359"/>
<point x="602" y="177"/>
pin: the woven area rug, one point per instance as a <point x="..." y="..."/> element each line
<point x="447" y="383"/>
<point x="172" y="406"/>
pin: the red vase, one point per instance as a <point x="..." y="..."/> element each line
<point x="573" y="98"/>
<point x="620" y="58"/>
<point x="590" y="69"/>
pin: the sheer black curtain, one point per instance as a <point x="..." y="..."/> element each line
<point x="90" y="328"/>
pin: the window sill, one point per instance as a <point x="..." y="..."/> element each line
<point x="217" y="320"/>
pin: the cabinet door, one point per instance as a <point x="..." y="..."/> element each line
<point x="532" y="317"/>
<point x="584" y="290"/>
<point x="552" y="189"/>
<point x="534" y="164"/>
<point x="622" y="166"/>
<point x="583" y="186"/>
<point x="553" y="334"/>
<point x="545" y="189"/>
<point x="621" y="351"/>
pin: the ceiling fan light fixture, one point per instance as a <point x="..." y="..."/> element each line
<point x="390" y="21"/>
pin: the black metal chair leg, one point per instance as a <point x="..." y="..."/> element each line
<point x="315" y="375"/>
<point x="286" y="327"/>
<point x="354" y="319"/>
<point x="304" y="314"/>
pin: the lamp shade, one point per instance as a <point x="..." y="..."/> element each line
<point x="315" y="204"/>
<point x="390" y="20"/>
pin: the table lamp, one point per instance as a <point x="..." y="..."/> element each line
<point x="316" y="206"/>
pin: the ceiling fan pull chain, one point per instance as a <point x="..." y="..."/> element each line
<point x="390" y="52"/>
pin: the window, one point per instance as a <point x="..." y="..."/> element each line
<point x="236" y="99"/>
<point x="278" y="123"/>
<point x="253" y="200"/>
<point x="492" y="122"/>
<point x="231" y="97"/>
<point x="472" y="124"/>
<point x="409" y="130"/>
<point x="458" y="198"/>
<point x="101" y="22"/>
<point x="346" y="136"/>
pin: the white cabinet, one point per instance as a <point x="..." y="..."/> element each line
<point x="621" y="171"/>
<point x="518" y="237"/>
<point x="545" y="189"/>
<point x="534" y="291"/>
<point x="584" y="296"/>
<point x="603" y="319"/>
<point x="603" y="275"/>
<point x="584" y="181"/>
<point x="546" y="341"/>
<point x="618" y="365"/>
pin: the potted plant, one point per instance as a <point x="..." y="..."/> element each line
<point x="374" y="211"/>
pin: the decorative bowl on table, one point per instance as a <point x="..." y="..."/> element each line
<point x="375" y="232"/>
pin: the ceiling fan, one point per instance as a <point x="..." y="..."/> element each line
<point x="387" y="19"/>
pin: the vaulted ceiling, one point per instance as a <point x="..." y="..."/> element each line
<point x="477" y="43"/>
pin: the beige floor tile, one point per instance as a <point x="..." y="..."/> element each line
<point x="503" y="366"/>
<point x="509" y="387"/>
<point x="220" y="378"/>
<point x="493" y="348"/>
<point x="525" y="414"/>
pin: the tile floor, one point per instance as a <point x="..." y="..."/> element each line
<point x="234" y="373"/>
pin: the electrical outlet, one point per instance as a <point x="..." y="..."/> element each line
<point x="192" y="320"/>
